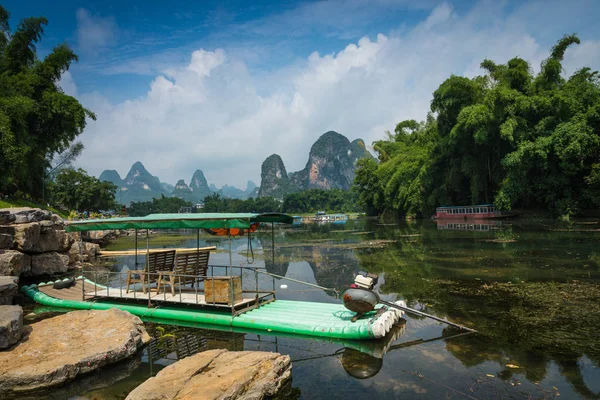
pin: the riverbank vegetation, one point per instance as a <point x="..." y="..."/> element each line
<point x="308" y="201"/>
<point x="333" y="200"/>
<point x="76" y="190"/>
<point x="157" y="206"/>
<point x="218" y="203"/>
<point x="38" y="121"/>
<point x="509" y="137"/>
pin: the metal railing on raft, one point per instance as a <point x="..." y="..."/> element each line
<point x="256" y="269"/>
<point x="183" y="289"/>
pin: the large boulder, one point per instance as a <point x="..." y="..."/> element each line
<point x="6" y="241"/>
<point x="6" y="217"/>
<point x="8" y="289"/>
<point x="60" y="348"/>
<point x="11" y="325"/>
<point x="14" y="263"/>
<point x="48" y="263"/>
<point x="27" y="237"/>
<point x="100" y="237"/>
<point x="82" y="252"/>
<point x="90" y="250"/>
<point x="58" y="220"/>
<point x="52" y="238"/>
<point x="218" y="374"/>
<point x="76" y="253"/>
<point x="64" y="240"/>
<point x="7" y="237"/>
<point x="26" y="215"/>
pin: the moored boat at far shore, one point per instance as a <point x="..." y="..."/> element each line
<point x="480" y="211"/>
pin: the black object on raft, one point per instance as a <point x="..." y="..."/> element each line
<point x="64" y="284"/>
<point x="362" y="301"/>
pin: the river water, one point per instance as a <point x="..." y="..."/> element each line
<point x="532" y="290"/>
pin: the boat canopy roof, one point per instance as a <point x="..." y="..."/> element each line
<point x="179" y="221"/>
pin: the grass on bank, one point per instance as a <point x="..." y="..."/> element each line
<point x="17" y="203"/>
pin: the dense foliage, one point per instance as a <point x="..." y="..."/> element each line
<point x="217" y="203"/>
<point x="308" y="201"/>
<point x="76" y="190"/>
<point x="37" y="120"/>
<point x="508" y="137"/>
<point x="157" y="206"/>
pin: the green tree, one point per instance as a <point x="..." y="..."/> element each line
<point x="162" y="205"/>
<point x="508" y="137"/>
<point x="312" y="200"/>
<point x="217" y="203"/>
<point x="557" y="146"/>
<point x="368" y="186"/>
<point x="76" y="190"/>
<point x="214" y="203"/>
<point x="37" y="120"/>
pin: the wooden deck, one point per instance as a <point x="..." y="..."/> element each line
<point x="71" y="293"/>
<point x="92" y="291"/>
<point x="166" y="297"/>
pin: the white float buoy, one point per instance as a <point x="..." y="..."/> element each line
<point x="283" y="286"/>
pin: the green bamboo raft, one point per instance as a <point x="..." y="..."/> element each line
<point x="288" y="317"/>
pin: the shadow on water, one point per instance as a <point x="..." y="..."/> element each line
<point x="530" y="288"/>
<point x="170" y="343"/>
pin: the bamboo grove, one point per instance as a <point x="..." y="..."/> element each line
<point x="511" y="137"/>
<point x="38" y="121"/>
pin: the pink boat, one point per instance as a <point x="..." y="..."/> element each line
<point x="482" y="211"/>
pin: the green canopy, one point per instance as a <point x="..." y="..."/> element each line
<point x="179" y="221"/>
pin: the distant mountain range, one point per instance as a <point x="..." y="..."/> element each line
<point x="331" y="164"/>
<point x="140" y="185"/>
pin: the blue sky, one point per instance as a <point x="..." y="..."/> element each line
<point x="123" y="46"/>
<point x="220" y="85"/>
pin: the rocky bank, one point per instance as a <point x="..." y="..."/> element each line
<point x="59" y="349"/>
<point x="218" y="374"/>
<point x="33" y="242"/>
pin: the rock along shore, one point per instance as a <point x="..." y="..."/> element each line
<point x="218" y="374"/>
<point x="57" y="350"/>
<point x="34" y="242"/>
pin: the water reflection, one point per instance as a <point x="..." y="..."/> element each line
<point x="169" y="343"/>
<point x="474" y="225"/>
<point x="531" y="289"/>
<point x="359" y="360"/>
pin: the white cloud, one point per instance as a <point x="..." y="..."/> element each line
<point x="205" y="61"/>
<point x="439" y="14"/>
<point x="94" y="33"/>
<point x="213" y="115"/>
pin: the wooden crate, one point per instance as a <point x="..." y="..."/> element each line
<point x="217" y="289"/>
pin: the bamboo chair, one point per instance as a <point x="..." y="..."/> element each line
<point x="157" y="263"/>
<point x="189" y="268"/>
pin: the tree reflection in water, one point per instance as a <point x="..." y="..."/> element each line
<point x="531" y="302"/>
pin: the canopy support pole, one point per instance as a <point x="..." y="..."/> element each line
<point x="147" y="263"/>
<point x="273" y="244"/>
<point x="230" y="262"/>
<point x="136" y="248"/>
<point x="273" y="253"/>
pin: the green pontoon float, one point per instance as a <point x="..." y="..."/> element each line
<point x="179" y="287"/>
